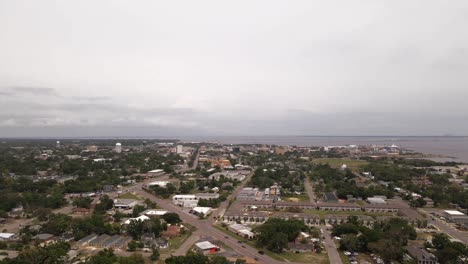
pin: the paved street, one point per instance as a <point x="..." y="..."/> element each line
<point x="205" y="227"/>
<point x="310" y="190"/>
<point x="332" y="251"/>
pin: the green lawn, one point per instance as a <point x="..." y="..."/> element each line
<point x="323" y="213"/>
<point x="128" y="195"/>
<point x="176" y="242"/>
<point x="352" y="164"/>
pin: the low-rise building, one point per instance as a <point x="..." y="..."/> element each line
<point x="456" y="217"/>
<point x="201" y="211"/>
<point x="86" y="240"/>
<point x="154" y="212"/>
<point x="140" y="218"/>
<point x="125" y="203"/>
<point x="172" y="231"/>
<point x="8" y="236"/>
<point x="45" y="239"/>
<point x="185" y="200"/>
<point x="206" y="247"/>
<point x="155" y="173"/>
<point x="421" y="255"/>
<point x="247" y="194"/>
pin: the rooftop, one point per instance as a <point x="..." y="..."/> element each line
<point x="453" y="212"/>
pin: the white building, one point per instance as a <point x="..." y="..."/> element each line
<point x="125" y="203"/>
<point x="7" y="236"/>
<point x="157" y="172"/>
<point x="185" y="200"/>
<point x="202" y="211"/>
<point x="141" y="218"/>
<point x="162" y="184"/>
<point x="154" y="212"/>
<point x="179" y="149"/>
<point x="206" y="247"/>
<point x="118" y="147"/>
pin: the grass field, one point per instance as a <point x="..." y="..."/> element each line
<point x="128" y="195"/>
<point x="353" y="165"/>
<point x="176" y="242"/>
<point x="323" y="213"/>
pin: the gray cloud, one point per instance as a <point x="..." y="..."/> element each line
<point x="262" y="67"/>
<point x="34" y="90"/>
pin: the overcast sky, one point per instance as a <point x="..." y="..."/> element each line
<point x="169" y="68"/>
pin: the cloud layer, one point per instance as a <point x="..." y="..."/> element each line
<point x="158" y="68"/>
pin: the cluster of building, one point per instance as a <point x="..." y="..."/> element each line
<point x="191" y="200"/>
<point x="254" y="194"/>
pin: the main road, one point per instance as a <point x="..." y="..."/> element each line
<point x="206" y="228"/>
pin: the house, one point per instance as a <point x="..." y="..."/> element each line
<point x="81" y="211"/>
<point x="125" y="203"/>
<point x="421" y="255"/>
<point x="206" y="247"/>
<point x="8" y="236"/>
<point x="108" y="188"/>
<point x="86" y="240"/>
<point x="172" y="231"/>
<point x="16" y="212"/>
<point x="162" y="243"/>
<point x="45" y="239"/>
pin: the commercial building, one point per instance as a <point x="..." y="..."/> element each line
<point x="179" y="149"/>
<point x="140" y="218"/>
<point x="242" y="230"/>
<point x="154" y="212"/>
<point x="185" y="200"/>
<point x="206" y="247"/>
<point x="456" y="217"/>
<point x="118" y="147"/>
<point x="376" y="200"/>
<point x="125" y="203"/>
<point x="247" y="194"/>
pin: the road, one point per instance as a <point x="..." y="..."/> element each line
<point x="333" y="254"/>
<point x="206" y="228"/>
<point x="310" y="191"/>
<point x="223" y="206"/>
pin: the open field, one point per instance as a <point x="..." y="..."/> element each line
<point x="128" y="195"/>
<point x="352" y="164"/>
<point x="323" y="213"/>
<point x="321" y="258"/>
